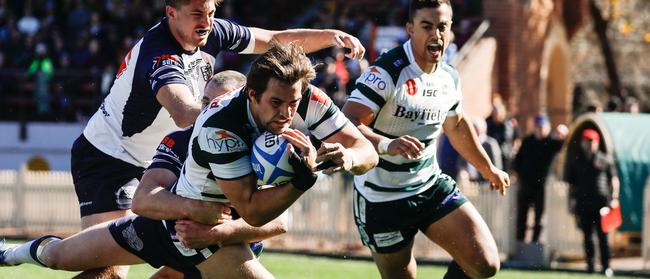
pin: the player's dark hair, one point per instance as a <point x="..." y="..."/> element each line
<point x="421" y="4"/>
<point x="287" y="63"/>
<point x="179" y="3"/>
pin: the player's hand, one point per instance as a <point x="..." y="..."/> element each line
<point x="406" y="146"/>
<point x="302" y="145"/>
<point x="346" y="40"/>
<point x="499" y="180"/>
<point x="196" y="235"/>
<point x="341" y="158"/>
<point x="211" y="213"/>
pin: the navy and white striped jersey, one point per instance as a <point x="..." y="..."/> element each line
<point x="225" y="131"/>
<point x="130" y="122"/>
<point x="172" y="151"/>
<point x="405" y="101"/>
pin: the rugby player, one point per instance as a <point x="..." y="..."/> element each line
<point x="156" y="91"/>
<point x="401" y="104"/>
<point x="277" y="98"/>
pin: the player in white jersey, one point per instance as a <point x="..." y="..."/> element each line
<point x="401" y="103"/>
<point x="218" y="169"/>
<point x="156" y="90"/>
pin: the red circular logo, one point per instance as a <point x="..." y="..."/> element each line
<point x="411" y="87"/>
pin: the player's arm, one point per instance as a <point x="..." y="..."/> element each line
<point x="259" y="206"/>
<point x="177" y="99"/>
<point x="349" y="150"/>
<point x="195" y="235"/>
<point x="152" y="200"/>
<point x="463" y="138"/>
<point x="311" y="40"/>
<point x="361" y="116"/>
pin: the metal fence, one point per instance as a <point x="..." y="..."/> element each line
<point x="33" y="203"/>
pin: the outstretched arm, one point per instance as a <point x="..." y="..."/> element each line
<point x="462" y="136"/>
<point x="311" y="40"/>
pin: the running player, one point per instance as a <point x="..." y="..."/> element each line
<point x="401" y="104"/>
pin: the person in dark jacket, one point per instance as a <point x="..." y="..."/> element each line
<point x="594" y="185"/>
<point x="532" y="164"/>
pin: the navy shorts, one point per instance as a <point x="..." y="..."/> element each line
<point x="102" y="183"/>
<point x="387" y="227"/>
<point x="152" y="241"/>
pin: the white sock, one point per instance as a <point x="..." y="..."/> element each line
<point x="22" y="253"/>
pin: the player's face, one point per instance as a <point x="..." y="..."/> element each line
<point x="192" y="23"/>
<point x="276" y="107"/>
<point x="430" y="35"/>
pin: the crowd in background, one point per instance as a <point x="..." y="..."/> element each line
<point x="58" y="58"/>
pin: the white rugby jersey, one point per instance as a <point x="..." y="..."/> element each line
<point x="130" y="122"/>
<point x="405" y="101"/>
<point x="224" y="134"/>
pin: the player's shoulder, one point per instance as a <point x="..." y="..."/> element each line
<point x="451" y="70"/>
<point x="392" y="63"/>
<point x="158" y="43"/>
<point x="227" y="111"/>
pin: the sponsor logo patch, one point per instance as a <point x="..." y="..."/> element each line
<point x="219" y="141"/>
<point x="373" y="79"/>
<point x="411" y="87"/>
<point x="388" y="238"/>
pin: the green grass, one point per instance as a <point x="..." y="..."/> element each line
<point x="286" y="266"/>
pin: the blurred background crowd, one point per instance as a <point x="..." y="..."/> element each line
<point x="58" y="58"/>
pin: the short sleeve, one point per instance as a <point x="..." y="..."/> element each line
<point x="373" y="88"/>
<point x="224" y="151"/>
<point x="166" y="69"/>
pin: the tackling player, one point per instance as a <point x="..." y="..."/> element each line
<point x="401" y="104"/>
<point x="156" y="91"/>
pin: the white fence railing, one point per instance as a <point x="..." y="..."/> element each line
<point x="320" y="221"/>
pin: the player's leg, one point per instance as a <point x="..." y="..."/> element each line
<point x="104" y="186"/>
<point x="233" y="261"/>
<point x="466" y="237"/>
<point x="587" y="222"/>
<point x="400" y="264"/>
<point x="88" y="249"/>
<point x="388" y="229"/>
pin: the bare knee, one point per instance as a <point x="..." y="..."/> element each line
<point x="483" y="267"/>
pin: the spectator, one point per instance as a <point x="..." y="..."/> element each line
<point x="505" y="130"/>
<point x="532" y="164"/>
<point x="614" y="104"/>
<point x="594" y="185"/>
<point x="41" y="69"/>
<point x="631" y="105"/>
<point x="28" y="24"/>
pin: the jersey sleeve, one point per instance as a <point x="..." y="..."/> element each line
<point x="373" y="88"/>
<point x="223" y="151"/>
<point x="321" y="115"/>
<point x="172" y="151"/>
<point x="227" y="35"/>
<point x="457" y="108"/>
<point x="166" y="69"/>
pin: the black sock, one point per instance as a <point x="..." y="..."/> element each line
<point x="455" y="272"/>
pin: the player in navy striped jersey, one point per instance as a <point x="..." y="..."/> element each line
<point x="156" y="90"/>
<point x="277" y="98"/>
<point x="401" y="104"/>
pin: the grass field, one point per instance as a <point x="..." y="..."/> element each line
<point x="286" y="266"/>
